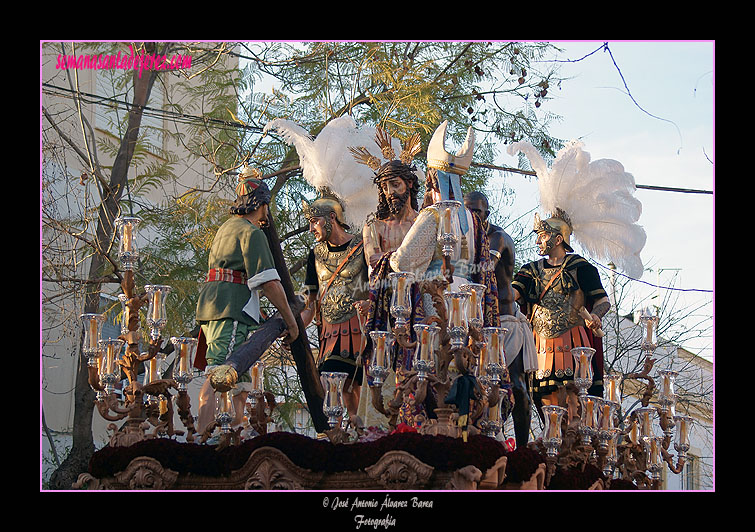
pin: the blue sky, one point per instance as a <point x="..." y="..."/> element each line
<point x="663" y="135"/>
<point x="673" y="82"/>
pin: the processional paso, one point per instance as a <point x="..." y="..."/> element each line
<point x="411" y="295"/>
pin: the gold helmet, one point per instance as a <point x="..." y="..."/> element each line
<point x="557" y="224"/>
<point x="322" y="207"/>
<point x="251" y="191"/>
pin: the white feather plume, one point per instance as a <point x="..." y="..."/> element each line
<point x="598" y="197"/>
<point x="327" y="162"/>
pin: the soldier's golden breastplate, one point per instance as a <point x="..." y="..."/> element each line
<point x="349" y="286"/>
<point x="558" y="310"/>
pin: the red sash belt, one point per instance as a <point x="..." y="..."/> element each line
<point x="224" y="274"/>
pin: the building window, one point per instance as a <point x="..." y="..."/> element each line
<point x="689" y="477"/>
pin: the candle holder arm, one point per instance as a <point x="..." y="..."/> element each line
<point x="644" y="375"/>
<point x="152" y="350"/>
<point x="109" y="409"/>
<point x="183" y="405"/>
<point x="669" y="459"/>
<point x="161" y="421"/>
<point x="403" y="338"/>
<point x="262" y="412"/>
<point x="389" y="410"/>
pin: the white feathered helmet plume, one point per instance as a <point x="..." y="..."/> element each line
<point x="328" y="163"/>
<point x="597" y="200"/>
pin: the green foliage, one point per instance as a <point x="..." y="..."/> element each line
<point x="407" y="87"/>
<point x="177" y="252"/>
<point x="214" y="113"/>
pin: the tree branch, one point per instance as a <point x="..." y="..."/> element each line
<point x="82" y="155"/>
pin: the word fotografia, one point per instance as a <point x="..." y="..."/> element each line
<point x="375" y="523"/>
<point x="140" y="61"/>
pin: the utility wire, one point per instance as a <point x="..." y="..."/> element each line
<point x="612" y="270"/>
<point x="188" y="119"/>
<point x="180" y="117"/>
<point x="100" y="100"/>
<point x="647" y="187"/>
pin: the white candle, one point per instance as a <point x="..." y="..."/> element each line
<point x="92" y="333"/>
<point x="184" y="362"/>
<point x="653" y="451"/>
<point x="333" y="394"/>
<point x="127" y="244"/>
<point x="156" y="305"/>
<point x="473" y="303"/>
<point x="611" y="390"/>
<point x="589" y="413"/>
<point x="424" y="341"/>
<point x="495" y="348"/>
<point x="225" y="402"/>
<point x="400" y="299"/>
<point x="380" y="351"/>
<point x="583" y="366"/>
<point x="152" y="369"/>
<point x="447" y="221"/>
<point x="483" y="356"/>
<point x="456" y="312"/>
<point x="110" y="359"/>
<point x="553" y="425"/>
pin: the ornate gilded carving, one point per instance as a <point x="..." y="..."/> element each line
<point x="270" y="469"/>
<point x="495" y="475"/>
<point x="398" y="470"/>
<point x="145" y="473"/>
<point x="88" y="482"/>
<point x="271" y="475"/>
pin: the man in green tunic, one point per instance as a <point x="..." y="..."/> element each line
<point x="240" y="265"/>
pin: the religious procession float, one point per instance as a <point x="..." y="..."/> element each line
<point x="420" y="324"/>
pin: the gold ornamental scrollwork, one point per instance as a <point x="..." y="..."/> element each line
<point x="145" y="473"/>
<point x="400" y="470"/>
<point x="270" y="469"/>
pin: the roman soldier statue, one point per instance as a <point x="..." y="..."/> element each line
<point x="336" y="280"/>
<point x="562" y="292"/>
